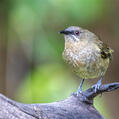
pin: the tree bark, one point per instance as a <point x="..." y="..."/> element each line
<point x="74" y="107"/>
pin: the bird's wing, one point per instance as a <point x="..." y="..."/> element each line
<point x="106" y="52"/>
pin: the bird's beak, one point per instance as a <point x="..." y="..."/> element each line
<point x="65" y="32"/>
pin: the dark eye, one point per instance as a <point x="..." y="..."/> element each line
<point x="77" y="33"/>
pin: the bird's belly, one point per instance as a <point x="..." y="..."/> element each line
<point x="87" y="64"/>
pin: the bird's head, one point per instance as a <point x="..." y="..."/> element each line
<point x="76" y="34"/>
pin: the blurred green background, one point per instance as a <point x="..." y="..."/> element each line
<point x="31" y="65"/>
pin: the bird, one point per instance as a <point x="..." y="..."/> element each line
<point x="88" y="56"/>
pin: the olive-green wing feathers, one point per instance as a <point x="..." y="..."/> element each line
<point x="106" y="52"/>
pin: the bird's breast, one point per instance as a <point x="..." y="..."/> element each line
<point x="79" y="54"/>
<point x="86" y="60"/>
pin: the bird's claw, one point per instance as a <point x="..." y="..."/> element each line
<point x="96" y="87"/>
<point x="79" y="92"/>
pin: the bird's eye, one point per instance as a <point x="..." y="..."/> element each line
<point x="77" y="33"/>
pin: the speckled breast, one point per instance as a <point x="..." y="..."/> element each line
<point x="86" y="61"/>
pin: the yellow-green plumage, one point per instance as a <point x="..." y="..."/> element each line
<point x="88" y="56"/>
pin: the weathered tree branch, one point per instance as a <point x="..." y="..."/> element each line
<point x="74" y="107"/>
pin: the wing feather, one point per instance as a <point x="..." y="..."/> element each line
<point x="106" y="52"/>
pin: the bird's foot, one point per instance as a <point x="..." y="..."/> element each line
<point x="96" y="86"/>
<point x="80" y="88"/>
<point x="79" y="92"/>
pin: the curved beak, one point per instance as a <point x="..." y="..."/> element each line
<point x="65" y="32"/>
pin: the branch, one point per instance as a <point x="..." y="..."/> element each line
<point x="90" y="94"/>
<point x="74" y="107"/>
